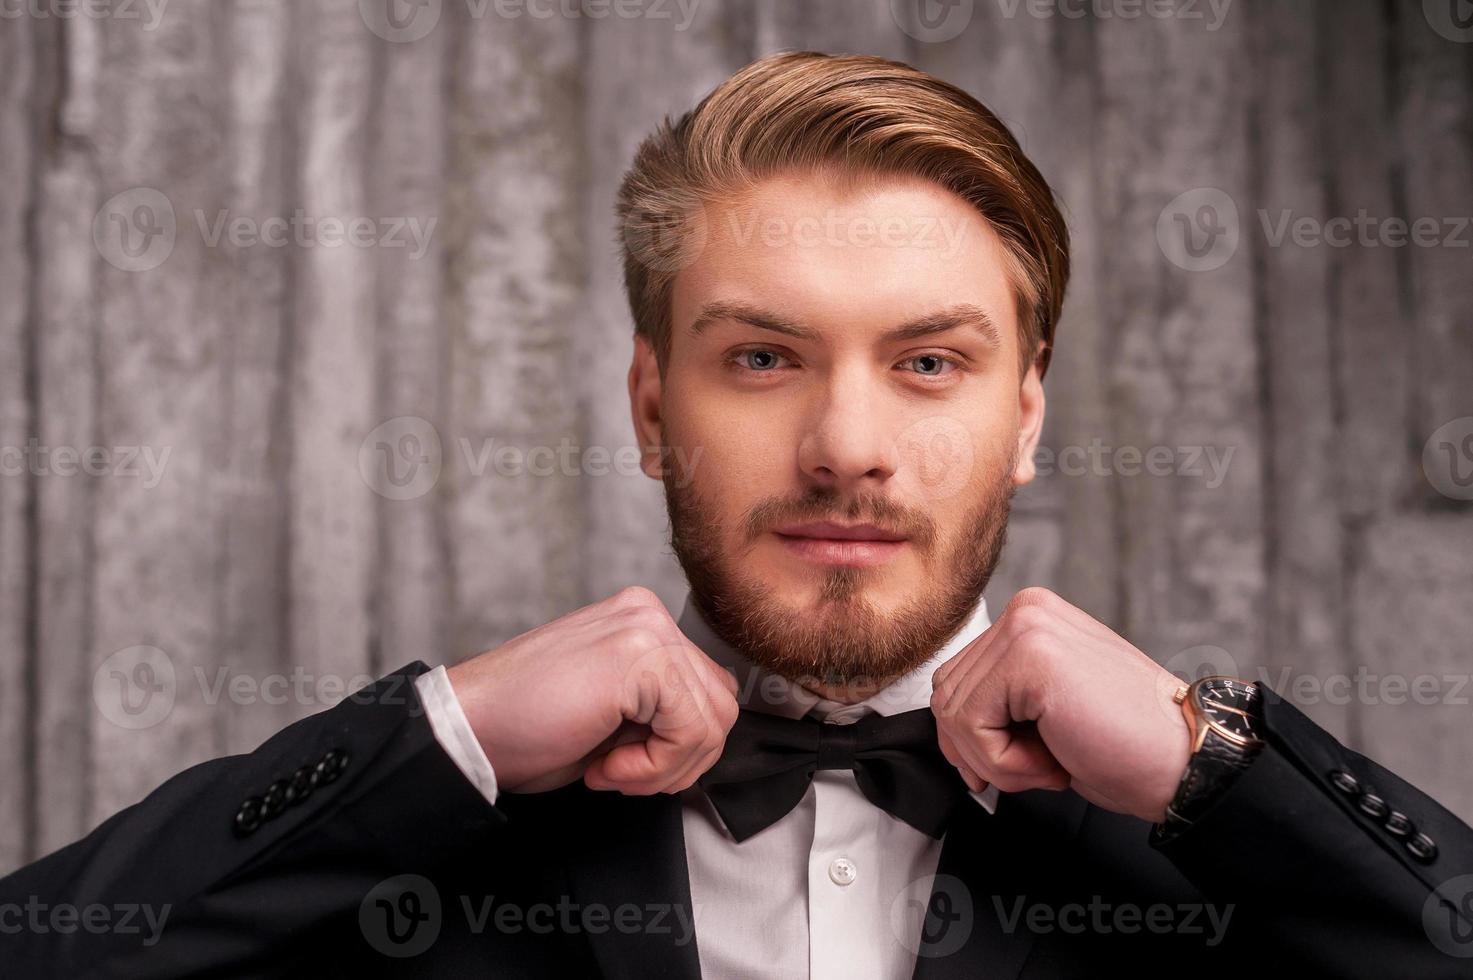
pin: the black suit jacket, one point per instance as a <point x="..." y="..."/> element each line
<point x="399" y="867"/>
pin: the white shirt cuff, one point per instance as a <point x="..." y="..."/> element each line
<point x="453" y="730"/>
<point x="988" y="798"/>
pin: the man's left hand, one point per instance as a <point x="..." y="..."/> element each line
<point x="1049" y="697"/>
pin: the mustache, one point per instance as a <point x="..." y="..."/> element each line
<point x="820" y="504"/>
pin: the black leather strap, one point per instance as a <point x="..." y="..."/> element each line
<point x="1210" y="771"/>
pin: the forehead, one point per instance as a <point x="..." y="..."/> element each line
<point x="848" y="257"/>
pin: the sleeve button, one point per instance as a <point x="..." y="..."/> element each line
<point x="332" y="765"/>
<point x="248" y="817"/>
<point x="300" y="786"/>
<point x="1345" y="782"/>
<point x="1422" y="847"/>
<point x="274" y="800"/>
<point x="1372" y="806"/>
<point x="1398" y="824"/>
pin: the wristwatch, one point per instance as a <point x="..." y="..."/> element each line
<point x="1225" y="716"/>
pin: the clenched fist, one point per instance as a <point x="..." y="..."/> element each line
<point x="613" y="693"/>
<point x="1050" y="698"/>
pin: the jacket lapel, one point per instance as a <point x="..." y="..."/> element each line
<point x="631" y="853"/>
<point x="989" y="862"/>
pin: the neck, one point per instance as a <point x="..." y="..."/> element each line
<point x="850" y="692"/>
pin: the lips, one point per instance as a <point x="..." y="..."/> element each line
<point x="829" y="531"/>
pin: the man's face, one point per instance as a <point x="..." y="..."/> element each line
<point x="843" y="383"/>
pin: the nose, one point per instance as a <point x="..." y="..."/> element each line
<point x="847" y="445"/>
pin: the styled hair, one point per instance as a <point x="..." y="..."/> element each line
<point x="847" y="116"/>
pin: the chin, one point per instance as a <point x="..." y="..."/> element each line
<point x="807" y="589"/>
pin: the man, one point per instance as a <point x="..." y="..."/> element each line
<point x="845" y="278"/>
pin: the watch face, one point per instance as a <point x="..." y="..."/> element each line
<point x="1231" y="706"/>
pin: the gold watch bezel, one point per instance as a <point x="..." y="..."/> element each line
<point x="1197" y="721"/>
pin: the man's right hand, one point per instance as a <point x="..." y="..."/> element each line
<point x="612" y="692"/>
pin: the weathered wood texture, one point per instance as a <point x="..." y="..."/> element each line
<point x="356" y="455"/>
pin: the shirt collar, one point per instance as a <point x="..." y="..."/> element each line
<point x="762" y="690"/>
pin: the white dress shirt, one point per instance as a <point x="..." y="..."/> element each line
<point x="835" y="889"/>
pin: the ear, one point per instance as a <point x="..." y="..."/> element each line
<point x="645" y="405"/>
<point x="1030" y="421"/>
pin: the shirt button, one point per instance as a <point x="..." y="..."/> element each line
<point x="842" y="871"/>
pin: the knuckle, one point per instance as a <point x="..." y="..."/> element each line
<point x="637" y="640"/>
<point x="1027" y="616"/>
<point x="1032" y="604"/>
<point x="1033" y="595"/>
<point x="1035" y="639"/>
<point x="647" y="617"/>
<point x="635" y="596"/>
<point x="940" y="700"/>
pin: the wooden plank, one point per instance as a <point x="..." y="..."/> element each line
<point x="1305" y="596"/>
<point x="1436" y="134"/>
<point x="254" y="287"/>
<point x="411" y="596"/>
<point x="1180" y="333"/>
<point x="1088" y="573"/>
<point x="513" y="310"/>
<point x="1373" y="369"/>
<point x="18" y="149"/>
<point x="158" y="343"/>
<point x="332" y="354"/>
<point x="834" y="26"/>
<point x="65" y="415"/>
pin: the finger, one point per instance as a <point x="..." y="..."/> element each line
<point x="728" y="679"/>
<point x="680" y="725"/>
<point x="1015" y="759"/>
<point x="967" y="653"/>
<point x="953" y="677"/>
<point x="696" y="770"/>
<point x="974" y="782"/>
<point x="719" y="711"/>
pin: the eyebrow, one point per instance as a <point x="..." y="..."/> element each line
<point x="962" y="314"/>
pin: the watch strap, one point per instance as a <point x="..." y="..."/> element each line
<point x="1210" y="771"/>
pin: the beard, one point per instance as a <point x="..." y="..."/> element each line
<point x="846" y="641"/>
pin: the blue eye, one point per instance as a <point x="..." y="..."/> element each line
<point x="931" y="365"/>
<point x="760" y="360"/>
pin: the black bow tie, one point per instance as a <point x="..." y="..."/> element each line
<point x="769" y="761"/>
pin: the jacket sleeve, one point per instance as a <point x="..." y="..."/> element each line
<point x="228" y="864"/>
<point x="1333" y="859"/>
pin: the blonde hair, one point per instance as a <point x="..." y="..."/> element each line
<point x="843" y="115"/>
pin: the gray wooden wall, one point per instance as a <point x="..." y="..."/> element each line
<point x="272" y="544"/>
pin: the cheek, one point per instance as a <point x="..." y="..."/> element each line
<point x="939" y="456"/>
<point x="948" y="460"/>
<point x="741" y="451"/>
